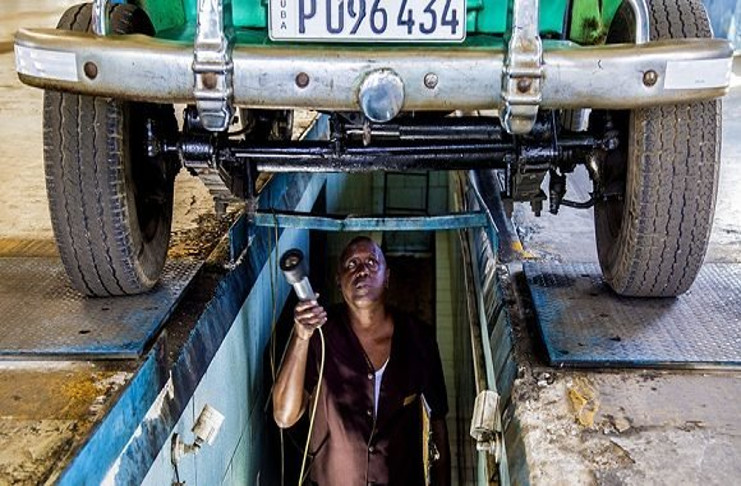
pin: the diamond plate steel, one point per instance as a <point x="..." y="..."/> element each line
<point x="584" y="323"/>
<point x="43" y="316"/>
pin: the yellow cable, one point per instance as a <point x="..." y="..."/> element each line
<point x="301" y="477"/>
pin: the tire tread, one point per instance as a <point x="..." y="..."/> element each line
<point x="85" y="164"/>
<point x="668" y="212"/>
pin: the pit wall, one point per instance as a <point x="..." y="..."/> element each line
<point x="386" y="194"/>
<point x="233" y="385"/>
<point x="221" y="363"/>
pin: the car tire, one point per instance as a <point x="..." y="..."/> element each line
<point x="652" y="241"/>
<point x="110" y="190"/>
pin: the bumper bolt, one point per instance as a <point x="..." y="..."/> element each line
<point x="302" y="80"/>
<point x="209" y="81"/>
<point x="650" y="78"/>
<point x="524" y="85"/>
<point x="91" y="70"/>
<point x="431" y="80"/>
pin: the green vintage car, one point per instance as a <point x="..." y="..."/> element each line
<point x="628" y="89"/>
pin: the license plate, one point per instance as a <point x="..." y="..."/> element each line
<point x="368" y="20"/>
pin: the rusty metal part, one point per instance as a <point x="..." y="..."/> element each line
<point x="650" y="78"/>
<point x="302" y="80"/>
<point x="91" y="70"/>
<point x="431" y="80"/>
<point x="523" y="69"/>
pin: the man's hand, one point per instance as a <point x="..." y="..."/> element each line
<point x="307" y="316"/>
<point x="289" y="397"/>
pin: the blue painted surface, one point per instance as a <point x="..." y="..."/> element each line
<point x="501" y="366"/>
<point x="502" y="345"/>
<point x="319" y="129"/>
<point x="384" y="223"/>
<point x="112" y="434"/>
<point x="233" y="383"/>
<point x="227" y="312"/>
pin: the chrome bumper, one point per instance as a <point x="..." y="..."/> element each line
<point x="146" y="69"/>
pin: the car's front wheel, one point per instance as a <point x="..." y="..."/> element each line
<point x="651" y="241"/>
<point x="110" y="191"/>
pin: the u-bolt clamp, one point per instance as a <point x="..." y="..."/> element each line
<point x="523" y="69"/>
<point x="213" y="69"/>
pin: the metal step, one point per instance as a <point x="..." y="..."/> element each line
<point x="44" y="317"/>
<point x="584" y="324"/>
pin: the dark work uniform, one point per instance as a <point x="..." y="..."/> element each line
<point x="351" y="447"/>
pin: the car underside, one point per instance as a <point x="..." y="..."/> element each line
<point x="528" y="89"/>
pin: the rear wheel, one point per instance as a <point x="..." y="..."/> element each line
<point x="652" y="241"/>
<point x="110" y="190"/>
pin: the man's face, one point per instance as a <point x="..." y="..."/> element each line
<point x="362" y="273"/>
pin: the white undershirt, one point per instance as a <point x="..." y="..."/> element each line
<point x="377" y="386"/>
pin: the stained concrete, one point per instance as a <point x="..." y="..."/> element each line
<point x="618" y="427"/>
<point x="46" y="409"/>
<point x="623" y="427"/>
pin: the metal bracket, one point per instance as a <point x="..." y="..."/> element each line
<point x="486" y="424"/>
<point x="101" y="23"/>
<point x="523" y="69"/>
<point x="440" y="222"/>
<point x="213" y="68"/>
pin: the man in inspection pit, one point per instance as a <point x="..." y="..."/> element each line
<point x="381" y="368"/>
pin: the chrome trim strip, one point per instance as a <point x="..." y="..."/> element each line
<point x="643" y="30"/>
<point x="101" y="22"/>
<point x="142" y="68"/>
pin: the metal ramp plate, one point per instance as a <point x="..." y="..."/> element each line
<point x="42" y="316"/>
<point x="583" y="323"/>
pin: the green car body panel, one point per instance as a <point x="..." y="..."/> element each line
<point x="589" y="19"/>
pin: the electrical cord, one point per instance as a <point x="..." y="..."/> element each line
<point x="295" y="273"/>
<point x="301" y="477"/>
<point x="273" y="326"/>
